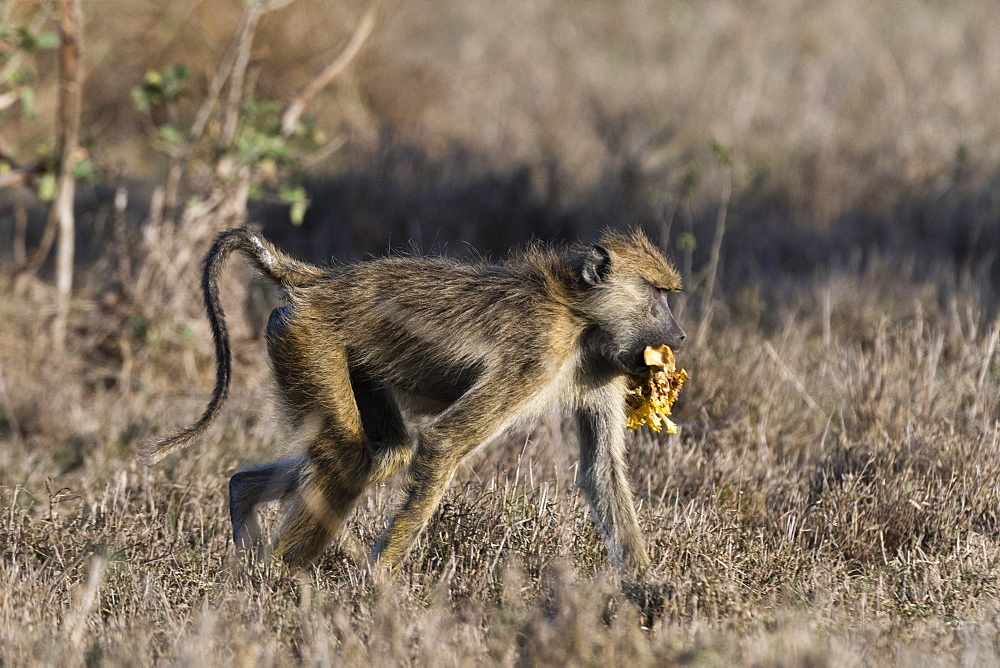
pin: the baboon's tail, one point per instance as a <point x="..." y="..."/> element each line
<point x="283" y="269"/>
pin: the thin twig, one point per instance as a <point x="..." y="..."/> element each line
<point x="179" y="163"/>
<point x="7" y="100"/>
<point x="231" y="112"/>
<point x="31" y="265"/>
<point x="667" y="222"/>
<point x="8" y="408"/>
<point x="792" y="378"/>
<point x="329" y="73"/>
<point x="214" y="89"/>
<point x="713" y="262"/>
<point x="20" y="231"/>
<point x="68" y="133"/>
<point x="322" y="154"/>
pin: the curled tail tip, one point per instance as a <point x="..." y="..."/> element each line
<point x="152" y="453"/>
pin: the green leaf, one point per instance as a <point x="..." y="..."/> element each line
<point x="298" y="212"/>
<point x="140" y="100"/>
<point x="46" y="40"/>
<point x="169" y="135"/>
<point x="686" y="243"/>
<point x="26" y="40"/>
<point x="45" y="149"/>
<point x="47" y="188"/>
<point x="27" y="104"/>
<point x="291" y="193"/>
<point x="298" y="200"/>
<point x="723" y="154"/>
<point x="21" y="76"/>
<point x="85" y="170"/>
<point x="186" y="332"/>
<point x="177" y="73"/>
<point x="140" y="326"/>
<point x="35" y="41"/>
<point x="689" y="182"/>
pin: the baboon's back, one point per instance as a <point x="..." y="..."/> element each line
<point x="424" y="321"/>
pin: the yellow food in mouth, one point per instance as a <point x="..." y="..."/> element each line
<point x="650" y="402"/>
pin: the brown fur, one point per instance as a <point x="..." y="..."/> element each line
<point x="487" y="345"/>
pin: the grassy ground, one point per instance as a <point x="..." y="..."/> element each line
<point x="832" y="497"/>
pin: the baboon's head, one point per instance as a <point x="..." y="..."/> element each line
<point x="627" y="281"/>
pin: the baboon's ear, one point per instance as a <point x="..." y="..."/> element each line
<point x="596" y="265"/>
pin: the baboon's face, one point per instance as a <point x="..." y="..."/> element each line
<point x="654" y="325"/>
<point x="630" y="283"/>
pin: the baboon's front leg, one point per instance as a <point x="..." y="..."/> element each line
<point x="604" y="479"/>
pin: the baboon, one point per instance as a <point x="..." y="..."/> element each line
<point x="481" y="347"/>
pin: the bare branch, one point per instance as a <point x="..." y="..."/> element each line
<point x="244" y="34"/>
<point x="20" y="231"/>
<point x="325" y="152"/>
<point x="231" y="112"/>
<point x="68" y="133"/>
<point x="323" y="79"/>
<point x="214" y="88"/>
<point x="31" y="265"/>
<point x="8" y="99"/>
<point x="713" y="262"/>
<point x="21" y="176"/>
<point x="13" y="179"/>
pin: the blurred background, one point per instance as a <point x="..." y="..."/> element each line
<point x="824" y="129"/>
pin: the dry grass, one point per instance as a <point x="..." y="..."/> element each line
<point x="832" y="497"/>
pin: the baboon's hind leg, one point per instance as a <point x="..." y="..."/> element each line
<point x="312" y="374"/>
<point x="362" y="440"/>
<point x="361" y="437"/>
<point x="334" y="477"/>
<point x="276" y="481"/>
<point x="341" y="464"/>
